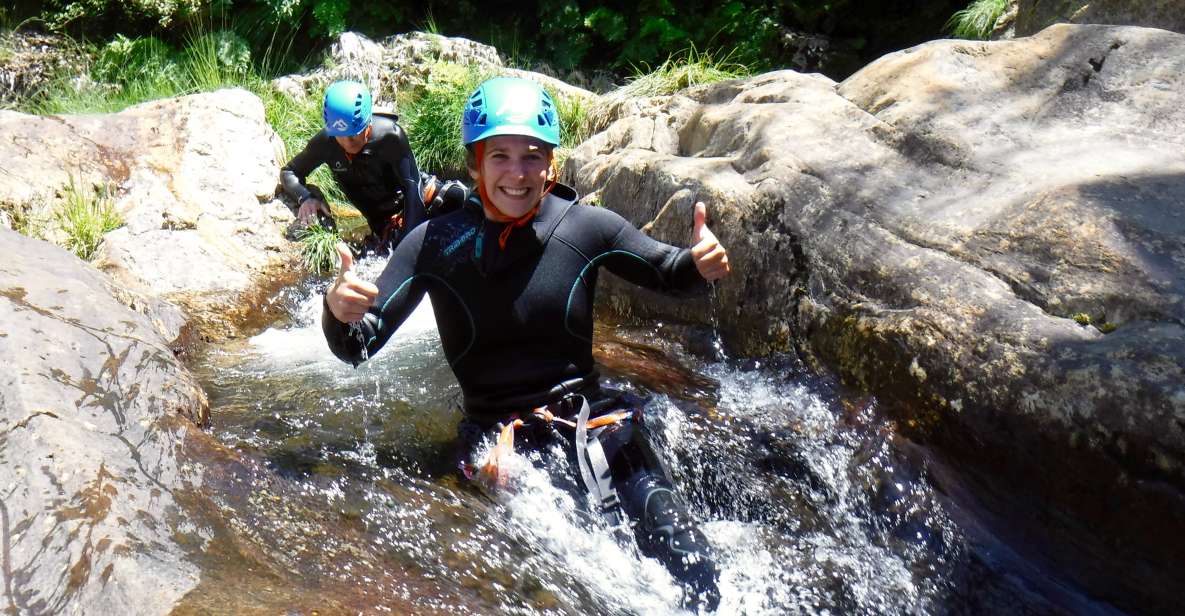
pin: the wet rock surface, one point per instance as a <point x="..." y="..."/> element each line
<point x="939" y="228"/>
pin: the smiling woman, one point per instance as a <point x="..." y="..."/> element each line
<point x="512" y="172"/>
<point x="515" y="321"/>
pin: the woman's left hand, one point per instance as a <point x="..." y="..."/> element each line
<point x="711" y="259"/>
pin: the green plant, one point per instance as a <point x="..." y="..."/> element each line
<point x="330" y="16"/>
<point x="317" y="248"/>
<point x="216" y="60"/>
<point x="85" y="215"/>
<point x="1081" y="318"/>
<point x="977" y="20"/>
<point x="1107" y="328"/>
<point x="574" y="124"/>
<point x="428" y="23"/>
<point x="432" y="117"/>
<point x="147" y="14"/>
<point x="693" y="68"/>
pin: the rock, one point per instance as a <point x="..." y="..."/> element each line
<point x="934" y="228"/>
<point x="1034" y="15"/>
<point x="94" y="408"/>
<point x="405" y="61"/>
<point x="29" y="61"/>
<point x="194" y="179"/>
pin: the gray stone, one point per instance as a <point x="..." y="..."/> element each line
<point x="194" y="179"/>
<point x="93" y="410"/>
<point x="1034" y="15"/>
<point x="406" y="61"/>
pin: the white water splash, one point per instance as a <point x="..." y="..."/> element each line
<point x="301" y="345"/>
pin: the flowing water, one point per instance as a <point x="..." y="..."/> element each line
<point x="349" y="502"/>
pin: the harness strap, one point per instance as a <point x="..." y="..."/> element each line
<point x="430" y="189"/>
<point x="590" y="454"/>
<point x="394" y="226"/>
<point x="594" y="468"/>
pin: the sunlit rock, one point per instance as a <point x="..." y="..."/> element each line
<point x="404" y="61"/>
<point x="193" y="179"/>
<point x="93" y="410"/>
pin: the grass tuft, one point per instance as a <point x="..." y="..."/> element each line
<point x="85" y="215"/>
<point x="678" y="72"/>
<point x="317" y="248"/>
<point x="977" y="20"/>
<point x="431" y="115"/>
<point x="574" y="124"/>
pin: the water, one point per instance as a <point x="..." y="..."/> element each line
<point x="813" y="504"/>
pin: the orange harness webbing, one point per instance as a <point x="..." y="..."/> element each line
<point x="491" y="469"/>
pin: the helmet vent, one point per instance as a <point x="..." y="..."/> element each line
<point x="481" y="120"/>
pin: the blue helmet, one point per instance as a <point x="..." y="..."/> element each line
<point x="347" y="109"/>
<point x="510" y="106"/>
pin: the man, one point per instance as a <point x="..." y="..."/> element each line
<point x="369" y="156"/>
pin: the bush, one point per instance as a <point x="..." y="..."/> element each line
<point x="217" y="60"/>
<point x="60" y="14"/>
<point x="574" y="125"/>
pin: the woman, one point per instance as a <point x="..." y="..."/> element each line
<point x="512" y="276"/>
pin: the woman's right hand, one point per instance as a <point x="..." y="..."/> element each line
<point x="349" y="297"/>
<point x="309" y="209"/>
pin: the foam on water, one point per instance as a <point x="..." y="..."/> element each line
<point x="301" y="345"/>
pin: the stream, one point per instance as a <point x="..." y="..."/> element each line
<point x="345" y="498"/>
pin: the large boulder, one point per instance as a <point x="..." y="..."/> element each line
<point x="94" y="408"/>
<point x="406" y="61"/>
<point x="939" y="228"/>
<point x="194" y="180"/>
<point x="1034" y="15"/>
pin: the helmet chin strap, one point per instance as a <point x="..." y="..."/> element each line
<point x="491" y="209"/>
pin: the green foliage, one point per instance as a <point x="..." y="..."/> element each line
<point x="574" y="125"/>
<point x="977" y="20"/>
<point x="58" y="14"/>
<point x="1107" y="328"/>
<point x="678" y="72"/>
<point x="216" y="60"/>
<point x="1081" y="318"/>
<point x="129" y="71"/>
<point x="607" y="23"/>
<point x="330" y="16"/>
<point x="431" y="115"/>
<point x="85" y="215"/>
<point x="125" y="60"/>
<point x="563" y="34"/>
<point x="317" y="248"/>
<point x="428" y="23"/>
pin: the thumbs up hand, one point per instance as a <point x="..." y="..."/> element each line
<point x="349" y="297"/>
<point x="711" y="259"/>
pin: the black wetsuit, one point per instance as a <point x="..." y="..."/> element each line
<point x="381" y="180"/>
<point x="516" y="326"/>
